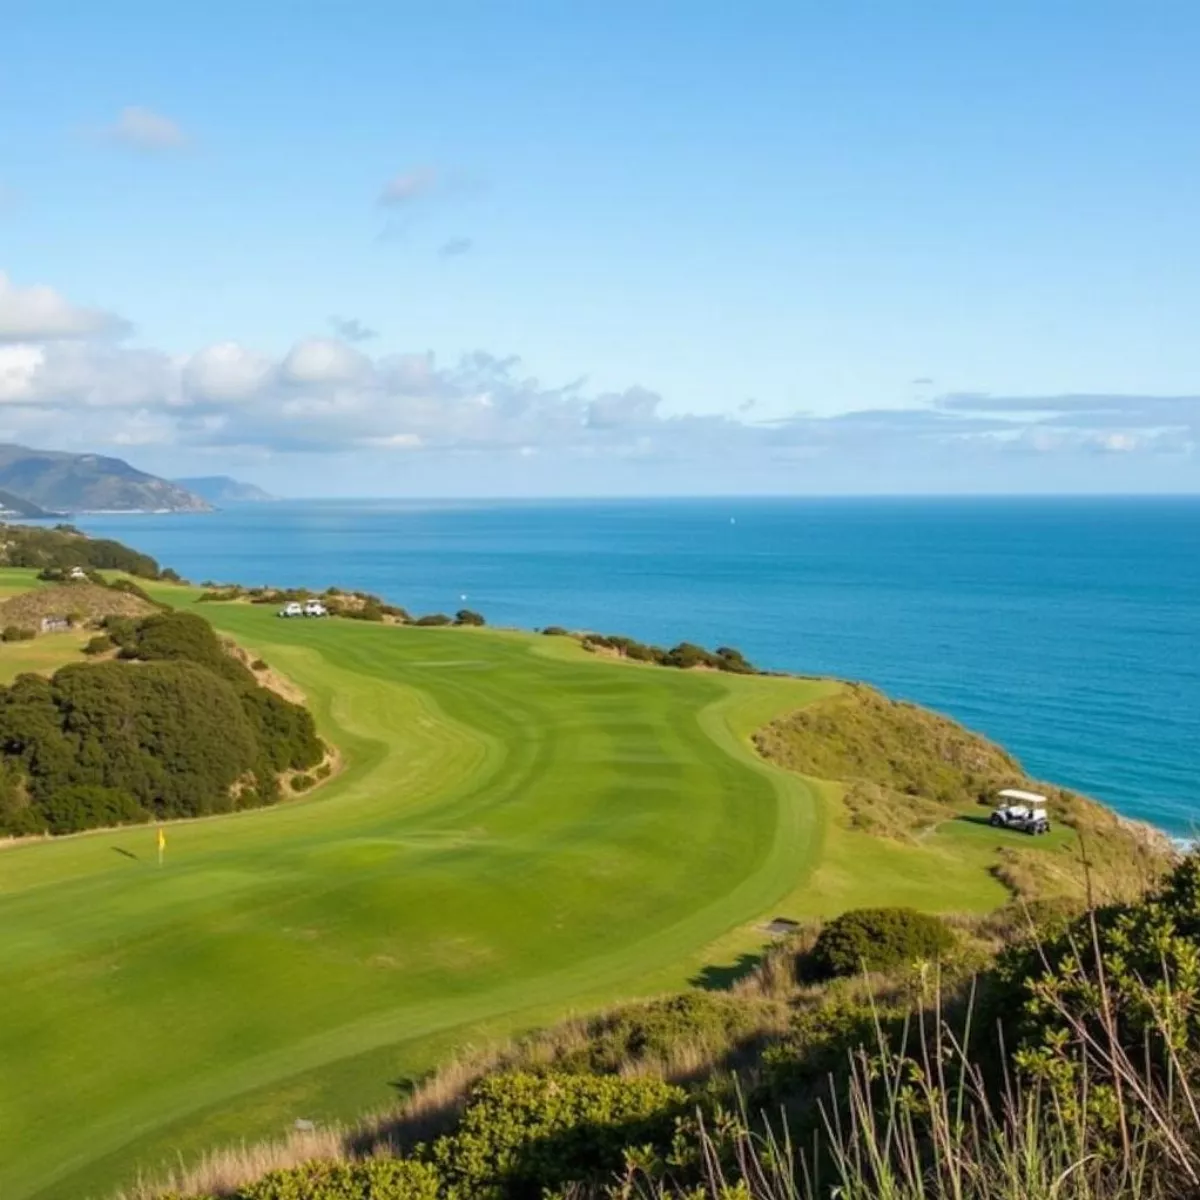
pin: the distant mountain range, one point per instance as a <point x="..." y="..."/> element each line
<point x="221" y="489"/>
<point x="57" y="482"/>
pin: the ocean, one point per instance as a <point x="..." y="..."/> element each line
<point x="1067" y="629"/>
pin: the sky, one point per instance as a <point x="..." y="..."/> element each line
<point x="565" y="249"/>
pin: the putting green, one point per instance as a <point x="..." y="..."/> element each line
<point x="520" y="829"/>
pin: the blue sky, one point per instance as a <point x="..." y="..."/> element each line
<point x="555" y="248"/>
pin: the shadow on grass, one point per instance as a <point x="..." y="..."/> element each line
<point x="971" y="819"/>
<point x="714" y="978"/>
<point x="125" y="853"/>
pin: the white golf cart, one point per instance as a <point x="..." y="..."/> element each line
<point x="292" y="609"/>
<point x="314" y="608"/>
<point x="1022" y="811"/>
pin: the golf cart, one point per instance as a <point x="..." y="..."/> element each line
<point x="292" y="609"/>
<point x="314" y="608"/>
<point x="1022" y="811"/>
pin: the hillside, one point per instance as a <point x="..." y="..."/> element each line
<point x="62" y="547"/>
<point x="909" y="774"/>
<point x="16" y="506"/>
<point x="522" y="827"/>
<point x="66" y="482"/>
<point x="78" y="601"/>
<point x="222" y="489"/>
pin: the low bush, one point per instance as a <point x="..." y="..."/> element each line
<point x="375" y="1179"/>
<point x="433" y="619"/>
<point x="466" y="616"/>
<point x="132" y="589"/>
<point x="259" y="664"/>
<point x="100" y="644"/>
<point x="556" y="631"/>
<point x="16" y="633"/>
<point x="878" y="939"/>
<point x="302" y="782"/>
<point x="522" y="1135"/>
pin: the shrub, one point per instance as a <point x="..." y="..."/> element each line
<point x="375" y="1179"/>
<point x="878" y="939"/>
<point x="556" y="631"/>
<point x="660" y="1032"/>
<point x="86" y="806"/>
<point x="433" y="619"/>
<point x="522" y="1134"/>
<point x="129" y="588"/>
<point x="323" y="771"/>
<point x="302" y="782"/>
<point x="16" y="633"/>
<point x="465" y="616"/>
<point x="729" y="658"/>
<point x="100" y="644"/>
<point x="687" y="655"/>
<point x="259" y="664"/>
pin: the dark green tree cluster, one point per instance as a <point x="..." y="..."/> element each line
<point x="64" y="547"/>
<point x="185" y="732"/>
<point x="684" y="656"/>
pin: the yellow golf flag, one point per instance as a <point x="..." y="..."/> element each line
<point x="162" y="843"/>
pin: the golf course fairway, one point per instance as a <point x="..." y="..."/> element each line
<point x="519" y="829"/>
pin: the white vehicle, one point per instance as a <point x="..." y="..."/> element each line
<point x="314" y="608"/>
<point x="1023" y="811"/>
<point x="292" y="609"/>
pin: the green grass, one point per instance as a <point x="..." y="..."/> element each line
<point x="42" y="655"/>
<point x="521" y="830"/>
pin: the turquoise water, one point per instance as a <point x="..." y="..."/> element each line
<point x="1069" y="630"/>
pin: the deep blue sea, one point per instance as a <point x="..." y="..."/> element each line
<point x="1069" y="630"/>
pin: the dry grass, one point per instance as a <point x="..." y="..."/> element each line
<point x="87" y="601"/>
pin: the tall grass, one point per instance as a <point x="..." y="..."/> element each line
<point x="920" y="1121"/>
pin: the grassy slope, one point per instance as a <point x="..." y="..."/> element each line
<point x="521" y="829"/>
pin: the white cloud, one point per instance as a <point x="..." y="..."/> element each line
<point x="226" y="371"/>
<point x="326" y="396"/>
<point x="617" y="410"/>
<point x="145" y="130"/>
<point x="319" y="360"/>
<point x="39" y="313"/>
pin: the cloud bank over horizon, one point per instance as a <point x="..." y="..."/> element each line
<point x="71" y="379"/>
